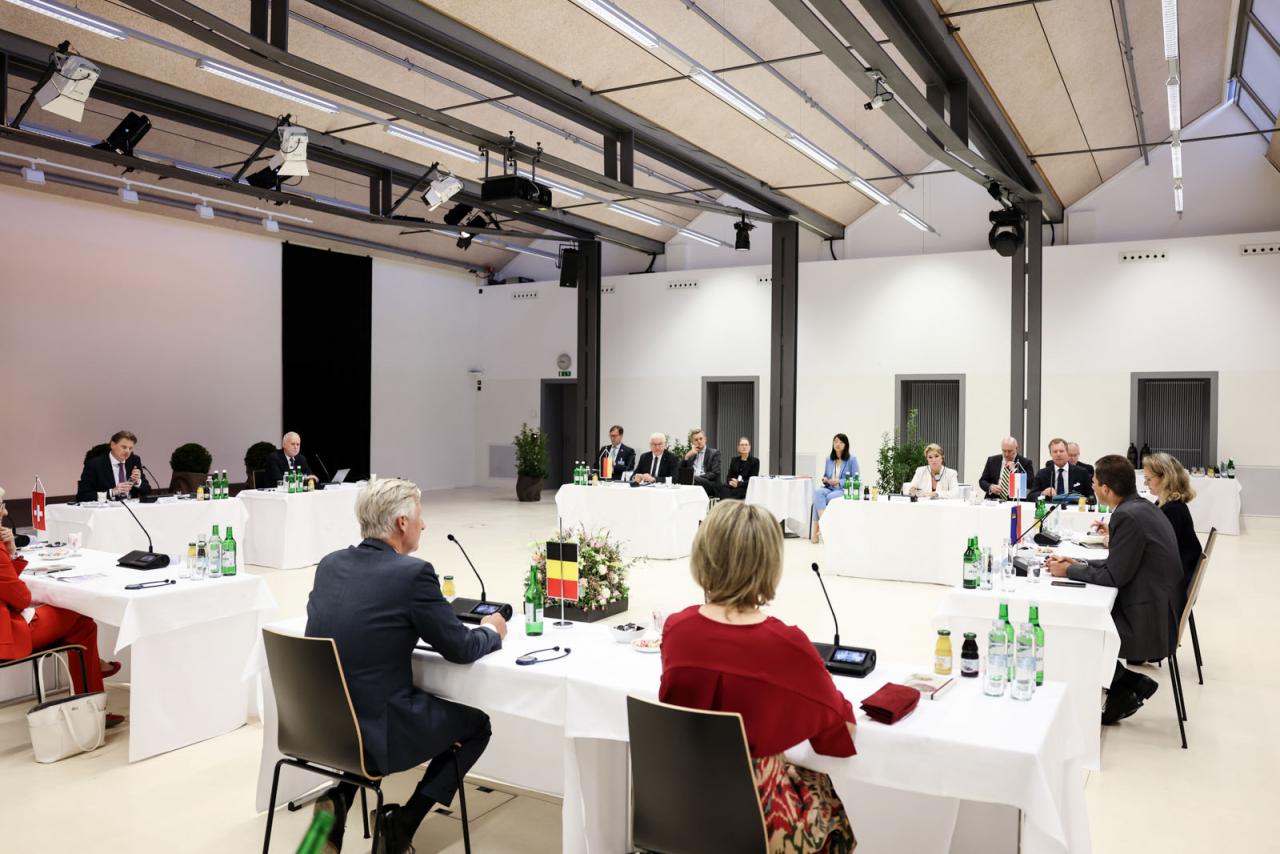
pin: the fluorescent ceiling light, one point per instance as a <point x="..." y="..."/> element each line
<point x="620" y="21"/>
<point x="128" y="195"/>
<point x="555" y="185"/>
<point x="913" y="219"/>
<point x="1175" y="151"/>
<point x="432" y="142"/>
<point x="864" y="187"/>
<point x="1169" y="10"/>
<point x="201" y="170"/>
<point x="205" y="211"/>
<point x="74" y="17"/>
<point x="643" y="217"/>
<point x="808" y="149"/>
<point x="32" y="175"/>
<point x="263" y="84"/>
<point x="701" y="238"/>
<point x="1174" y="91"/>
<point x="728" y="94"/>
<point x="1177" y="197"/>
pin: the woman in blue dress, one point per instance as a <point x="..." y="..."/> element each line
<point x="840" y="463"/>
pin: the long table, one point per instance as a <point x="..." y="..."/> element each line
<point x="289" y="531"/>
<point x="172" y="523"/>
<point x="964" y="747"/>
<point x="186" y="646"/>
<point x="649" y="521"/>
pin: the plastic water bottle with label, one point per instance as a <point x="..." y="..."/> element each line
<point x="1008" y="572"/>
<point x="997" y="661"/>
<point x="1024" y="665"/>
<point x="987" y="570"/>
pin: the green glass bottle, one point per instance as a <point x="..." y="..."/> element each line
<point x="229" y="553"/>
<point x="1041" y="508"/>
<point x="1010" y="635"/>
<point x="317" y="834"/>
<point x="1034" y="618"/>
<point x="533" y="604"/>
<point x="857" y="487"/>
<point x="972" y="568"/>
<point x="214" y="552"/>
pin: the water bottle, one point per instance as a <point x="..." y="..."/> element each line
<point x="1024" y="670"/>
<point x="997" y="661"/>
<point x="202" y="558"/>
<point x="215" y="554"/>
<point x="987" y="569"/>
<point x="1008" y="577"/>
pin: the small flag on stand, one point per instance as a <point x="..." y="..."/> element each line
<point x="1015" y="523"/>
<point x="606" y="468"/>
<point x="1018" y="486"/>
<point x="562" y="571"/>
<point x="37" y="505"/>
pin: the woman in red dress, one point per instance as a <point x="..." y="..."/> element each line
<point x="728" y="656"/>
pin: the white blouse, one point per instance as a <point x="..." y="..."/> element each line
<point x="948" y="482"/>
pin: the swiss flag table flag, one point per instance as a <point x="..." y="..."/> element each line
<point x="37" y="505"/>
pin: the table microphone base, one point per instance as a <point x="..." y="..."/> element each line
<point x="846" y="660"/>
<point x="143" y="560"/>
<point x="474" y="610"/>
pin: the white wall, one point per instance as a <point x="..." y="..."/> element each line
<point x="112" y="319"/>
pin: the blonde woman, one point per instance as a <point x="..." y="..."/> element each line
<point x="1169" y="482"/>
<point x="933" y="479"/>
<point x="727" y="655"/>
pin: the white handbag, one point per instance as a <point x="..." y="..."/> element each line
<point x="67" y="726"/>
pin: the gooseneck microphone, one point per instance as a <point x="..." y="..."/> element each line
<point x="1048" y="512"/>
<point x="454" y="540"/>
<point x="328" y="475"/>
<point x="474" y="610"/>
<point x="155" y="481"/>
<point x="842" y="660"/>
<point x="834" y="621"/>
<point x="137" y="559"/>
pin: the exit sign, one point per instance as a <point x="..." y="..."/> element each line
<point x="565" y="374"/>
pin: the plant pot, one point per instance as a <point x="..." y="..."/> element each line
<point x="529" y="488"/>
<point x="578" y="615"/>
<point x="186" y="481"/>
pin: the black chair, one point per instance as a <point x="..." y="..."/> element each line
<point x="39" y="655"/>
<point x="1179" y="629"/>
<point x="674" y="752"/>
<point x="1193" y="594"/>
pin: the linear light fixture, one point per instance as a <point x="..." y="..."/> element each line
<point x="74" y="17"/>
<point x="1169" y="11"/>
<point x="808" y="149"/>
<point x="643" y="217"/>
<point x="1177" y="197"/>
<point x="620" y="21"/>
<point x="1175" y="152"/>
<point x="863" y="186"/>
<point x="1174" y="90"/>
<point x="914" y="220"/>
<point x="244" y="78"/>
<point x="701" y="238"/>
<point x="432" y="142"/>
<point x="713" y="84"/>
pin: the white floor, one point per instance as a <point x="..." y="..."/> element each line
<point x="1218" y="795"/>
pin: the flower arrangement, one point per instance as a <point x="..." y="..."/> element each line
<point x="602" y="570"/>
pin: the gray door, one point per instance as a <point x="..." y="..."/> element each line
<point x="559" y="406"/>
<point x="729" y="412"/>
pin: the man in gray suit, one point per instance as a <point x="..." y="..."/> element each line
<point x="704" y="461"/>
<point x="377" y="601"/>
<point x="1143" y="565"/>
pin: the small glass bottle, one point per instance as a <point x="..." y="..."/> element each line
<point x="942" y="653"/>
<point x="1024" y="679"/>
<point x="969" y="661"/>
<point x="447" y="588"/>
<point x="997" y="661"/>
<point x="191" y="561"/>
<point x="202" y="558"/>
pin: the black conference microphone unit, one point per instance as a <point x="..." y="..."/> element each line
<point x="142" y="560"/>
<point x="842" y="660"/>
<point x="1021" y="566"/>
<point x="474" y="610"/>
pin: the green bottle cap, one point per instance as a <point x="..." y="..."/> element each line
<point x="946" y="633"/>
<point x="970" y="635"/>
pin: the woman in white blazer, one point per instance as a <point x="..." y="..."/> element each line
<point x="934" y="480"/>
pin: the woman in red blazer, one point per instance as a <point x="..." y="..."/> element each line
<point x="49" y="626"/>
<point x="728" y="656"/>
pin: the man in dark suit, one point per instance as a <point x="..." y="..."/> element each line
<point x="656" y="464"/>
<point x="1060" y="477"/>
<point x="288" y="458"/>
<point x="377" y="602"/>
<point x="1143" y="564"/>
<point x="1073" y="457"/>
<point x="623" y="458"/>
<point x="705" y="463"/>
<point x="1000" y="469"/>
<point x="118" y="471"/>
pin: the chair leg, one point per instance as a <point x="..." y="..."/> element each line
<point x="1178" y="700"/>
<point x="84" y="669"/>
<point x="271" y="807"/>
<point x="377" y="819"/>
<point x="35" y="671"/>
<point x="364" y="810"/>
<point x="462" y="804"/>
<point x="1195" y="644"/>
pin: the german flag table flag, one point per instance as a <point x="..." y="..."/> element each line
<point x="562" y="571"/>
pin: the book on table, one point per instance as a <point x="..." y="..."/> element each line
<point x="930" y="685"/>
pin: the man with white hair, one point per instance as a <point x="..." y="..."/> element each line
<point x="287" y="459"/>
<point x="656" y="464"/>
<point x="377" y="602"/>
<point x="1000" y="469"/>
<point x="1073" y="457"/>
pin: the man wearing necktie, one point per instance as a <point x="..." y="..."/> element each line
<point x="656" y="464"/>
<point x="997" y="474"/>
<point x="705" y="463"/>
<point x="1060" y="477"/>
<point x="119" y="471"/>
<point x="288" y="459"/>
<point x="621" y="457"/>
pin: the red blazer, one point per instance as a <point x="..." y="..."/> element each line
<point x="15" y="634"/>
<point x="769" y="673"/>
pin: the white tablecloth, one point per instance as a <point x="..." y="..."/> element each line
<point x="188" y="645"/>
<point x="1081" y="642"/>
<point x="649" y="521"/>
<point x="171" y="523"/>
<point x="964" y="746"/>
<point x="789" y="499"/>
<point x="291" y="531"/>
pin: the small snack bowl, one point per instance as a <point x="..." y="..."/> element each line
<point x="627" y="632"/>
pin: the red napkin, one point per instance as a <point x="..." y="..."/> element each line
<point x="891" y="703"/>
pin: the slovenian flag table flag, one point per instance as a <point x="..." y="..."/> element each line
<point x="562" y="571"/>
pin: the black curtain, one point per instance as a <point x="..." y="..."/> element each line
<point x="327" y="317"/>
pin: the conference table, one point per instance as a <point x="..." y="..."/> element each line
<point x="293" y="530"/>
<point x="789" y="499"/>
<point x="657" y="521"/>
<point x="186" y="647"/>
<point x="915" y="780"/>
<point x="171" y="522"/>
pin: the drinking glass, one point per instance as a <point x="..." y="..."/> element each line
<point x="659" y="620"/>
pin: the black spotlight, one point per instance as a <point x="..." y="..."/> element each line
<point x="1006" y="231"/>
<point x="464" y="239"/>
<point x="742" y="242"/>
<point x="457" y="214"/>
<point x="267" y="178"/>
<point x="127" y="134"/>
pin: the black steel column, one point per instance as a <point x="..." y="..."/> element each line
<point x="280" y="24"/>
<point x="957" y="107"/>
<point x="588" y="348"/>
<point x="627" y="155"/>
<point x="782" y="352"/>
<point x="1035" y="325"/>
<point x="1018" y="349"/>
<point x="259" y="16"/>
<point x="610" y="156"/>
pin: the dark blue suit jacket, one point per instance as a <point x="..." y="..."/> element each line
<point x="99" y="475"/>
<point x="376" y="605"/>
<point x="626" y="459"/>
<point x="278" y="464"/>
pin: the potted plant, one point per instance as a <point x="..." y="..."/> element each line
<point x="190" y="464"/>
<point x="255" y="459"/>
<point x="602" y="576"/>
<point x="532" y="463"/>
<point x="680" y="448"/>
<point x="899" y="458"/>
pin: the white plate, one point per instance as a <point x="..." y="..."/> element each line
<point x="647" y="645"/>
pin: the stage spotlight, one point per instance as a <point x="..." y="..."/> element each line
<point x="293" y="152"/>
<point x="457" y="214"/>
<point x="742" y="243"/>
<point x="67" y="90"/>
<point x="464" y="239"/>
<point x="267" y="178"/>
<point x="128" y="133"/>
<point x="1006" y="231"/>
<point x="440" y="190"/>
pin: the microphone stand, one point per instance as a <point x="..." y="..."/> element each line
<point x="138" y="560"/>
<point x="834" y="620"/>
<point x="483" y="596"/>
<point x="1038" y="523"/>
<point x="328" y="475"/>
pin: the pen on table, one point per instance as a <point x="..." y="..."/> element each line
<point x="145" y="584"/>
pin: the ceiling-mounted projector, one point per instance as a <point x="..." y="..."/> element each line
<point x="516" y="192"/>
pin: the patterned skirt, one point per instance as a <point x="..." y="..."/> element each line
<point x="802" y="812"/>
